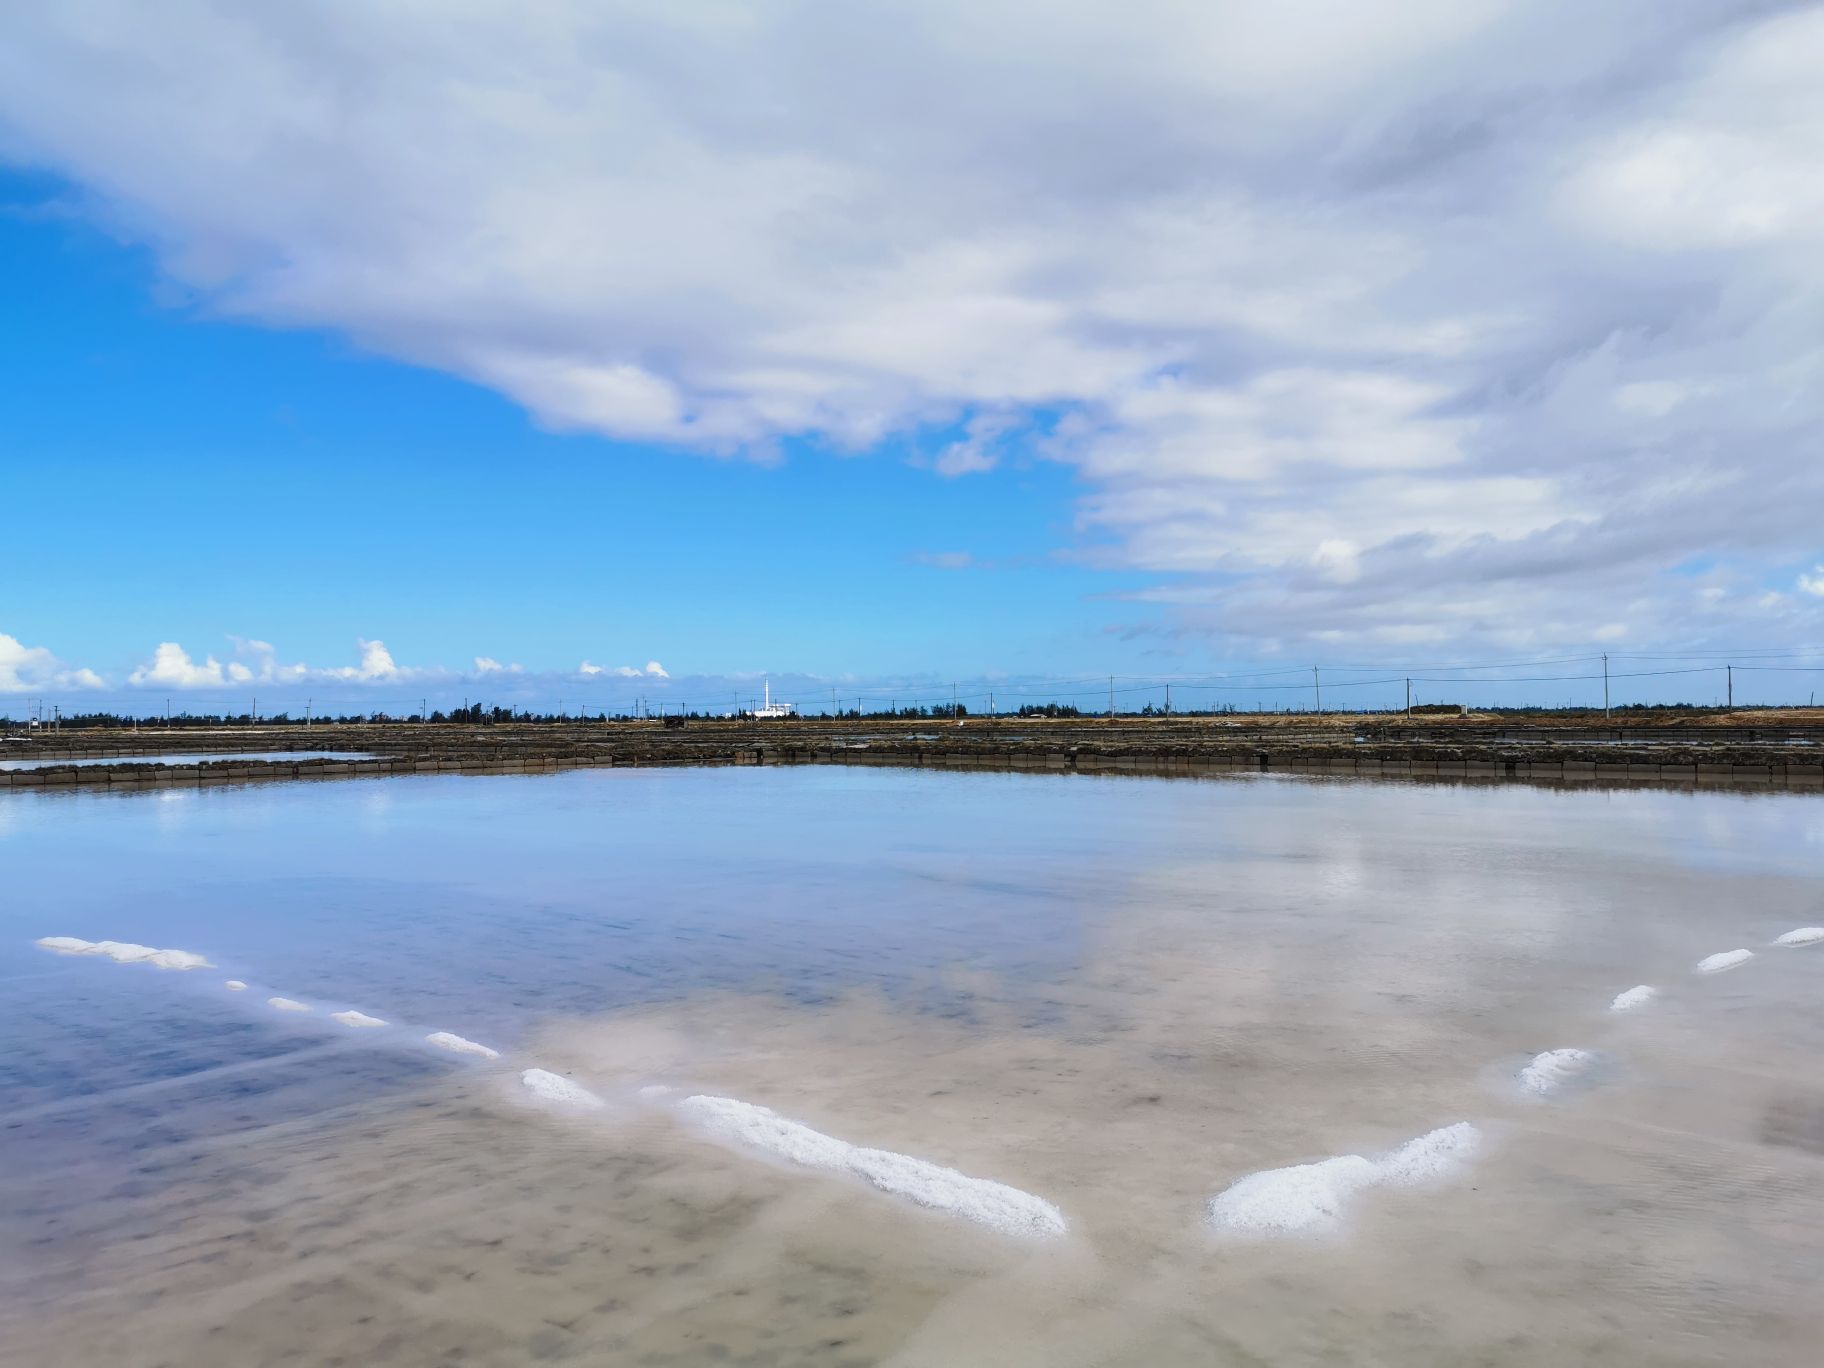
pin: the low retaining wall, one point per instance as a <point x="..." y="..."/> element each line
<point x="1806" y="776"/>
<point x="130" y="775"/>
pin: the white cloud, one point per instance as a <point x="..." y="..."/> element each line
<point x="257" y="662"/>
<point x="376" y="662"/>
<point x="1345" y="320"/>
<point x="978" y="450"/>
<point x="24" y="668"/>
<point x="172" y="667"/>
<point x="1813" y="583"/>
<point x="653" y="670"/>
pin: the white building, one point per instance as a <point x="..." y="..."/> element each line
<point x="769" y="708"/>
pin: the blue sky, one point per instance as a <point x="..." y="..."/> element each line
<point x="351" y="346"/>
<point x="213" y="478"/>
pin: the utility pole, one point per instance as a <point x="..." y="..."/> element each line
<point x="1605" y="683"/>
<point x="1731" y="670"/>
<point x="1168" y="700"/>
<point x="953" y="700"/>
<point x="1409" y="698"/>
<point x="1317" y="688"/>
<point x="256" y="712"/>
<point x="1111" y="697"/>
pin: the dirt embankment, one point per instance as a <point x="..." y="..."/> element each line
<point x="1757" y="746"/>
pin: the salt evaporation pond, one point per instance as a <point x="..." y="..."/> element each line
<point x="857" y="1066"/>
<point x="200" y="757"/>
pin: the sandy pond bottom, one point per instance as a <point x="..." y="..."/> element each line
<point x="1122" y="999"/>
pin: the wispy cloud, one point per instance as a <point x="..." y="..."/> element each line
<point x="944" y="560"/>
<point x="1397" y="324"/>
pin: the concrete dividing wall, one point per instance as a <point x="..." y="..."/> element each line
<point x="1799" y="776"/>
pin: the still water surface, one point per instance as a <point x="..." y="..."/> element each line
<point x="187" y="758"/>
<point x="1119" y="994"/>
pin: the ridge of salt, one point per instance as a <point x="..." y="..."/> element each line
<point x="556" y="1088"/>
<point x="1308" y="1199"/>
<point x="982" y="1200"/>
<point x="1551" y="1071"/>
<point x="444" y="1040"/>
<point x="1723" y="959"/>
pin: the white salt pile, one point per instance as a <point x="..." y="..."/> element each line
<point x="1635" y="997"/>
<point x="124" y="952"/>
<point x="1551" y="1071"/>
<point x="1724" y="959"/>
<point x="354" y="1018"/>
<point x="554" y="1088"/>
<point x="1299" y="1199"/>
<point x="995" y="1205"/>
<point x="235" y="986"/>
<point x="443" y="1040"/>
<point x="287" y="1004"/>
<point x="1805" y="935"/>
<point x="1308" y="1199"/>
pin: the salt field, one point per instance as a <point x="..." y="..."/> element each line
<point x="858" y="1066"/>
<point x="11" y="762"/>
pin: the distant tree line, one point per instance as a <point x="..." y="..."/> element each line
<point x="483" y="715"/>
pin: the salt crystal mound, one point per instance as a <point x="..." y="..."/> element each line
<point x="1724" y="959"/>
<point x="1638" y="996"/>
<point x="995" y="1205"/>
<point x="443" y="1040"/>
<point x="124" y="952"/>
<point x="1551" y="1071"/>
<point x="235" y="986"/>
<point x="1805" y="935"/>
<point x="1302" y="1199"/>
<point x="287" y="1004"/>
<point x="1311" y="1199"/>
<point x="354" y="1018"/>
<point x="1434" y="1157"/>
<point x="552" y="1087"/>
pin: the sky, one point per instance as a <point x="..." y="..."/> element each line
<point x="599" y="351"/>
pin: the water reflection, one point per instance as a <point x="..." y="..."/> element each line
<point x="1119" y="994"/>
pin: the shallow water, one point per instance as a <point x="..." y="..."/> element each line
<point x="1118" y="995"/>
<point x="186" y="758"/>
